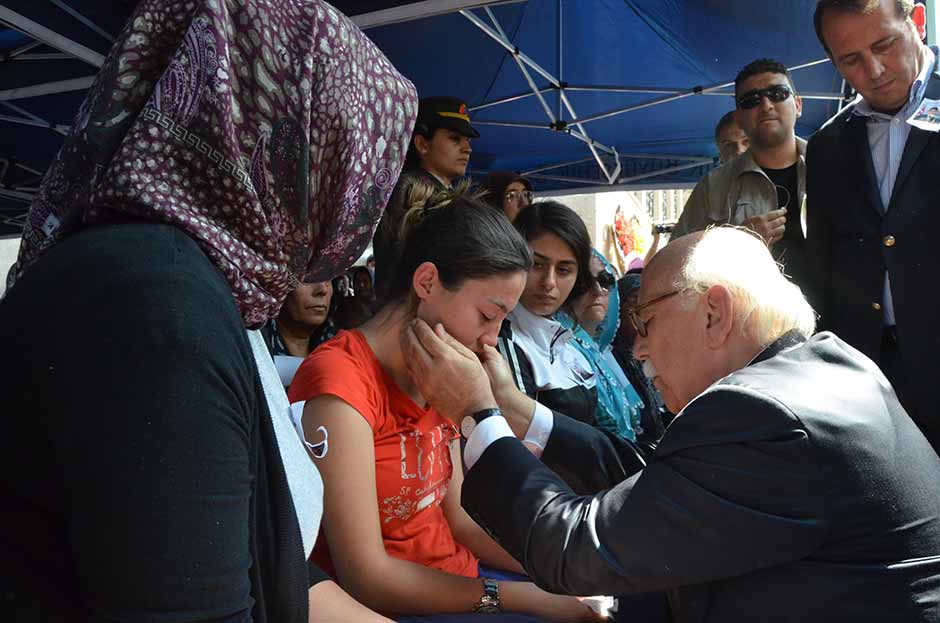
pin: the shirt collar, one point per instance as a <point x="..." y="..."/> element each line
<point x="544" y="333"/>
<point x="863" y="109"/>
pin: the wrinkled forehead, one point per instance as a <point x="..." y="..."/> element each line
<point x="658" y="278"/>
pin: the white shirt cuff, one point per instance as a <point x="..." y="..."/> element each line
<point x="496" y="427"/>
<point x="489" y="430"/>
<point x="540" y="429"/>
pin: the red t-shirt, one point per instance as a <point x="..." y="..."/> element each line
<point x="412" y="456"/>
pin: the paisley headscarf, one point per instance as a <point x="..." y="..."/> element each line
<point x="272" y="132"/>
<point x="619" y="406"/>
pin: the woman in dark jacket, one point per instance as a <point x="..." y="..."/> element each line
<point x="151" y="459"/>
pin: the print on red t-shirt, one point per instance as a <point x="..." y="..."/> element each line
<point x="412" y="453"/>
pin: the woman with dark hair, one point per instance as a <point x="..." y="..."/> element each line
<point x="507" y="191"/>
<point x="395" y="534"/>
<point x="537" y="346"/>
<point x="305" y="321"/>
<point x="224" y="154"/>
<point x="437" y="157"/>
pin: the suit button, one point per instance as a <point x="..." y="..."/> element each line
<point x="876" y="306"/>
<point x="889" y="241"/>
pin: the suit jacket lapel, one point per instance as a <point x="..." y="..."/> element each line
<point x="917" y="140"/>
<point x="858" y="146"/>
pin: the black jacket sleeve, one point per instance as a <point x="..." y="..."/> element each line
<point x="700" y="511"/>
<point x="140" y="425"/>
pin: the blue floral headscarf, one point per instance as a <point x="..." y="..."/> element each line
<point x="619" y="406"/>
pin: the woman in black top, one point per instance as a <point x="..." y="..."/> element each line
<point x="149" y="465"/>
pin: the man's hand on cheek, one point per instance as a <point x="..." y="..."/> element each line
<point x="447" y="373"/>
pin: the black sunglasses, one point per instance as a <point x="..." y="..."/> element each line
<point x="775" y="93"/>
<point x="605" y="280"/>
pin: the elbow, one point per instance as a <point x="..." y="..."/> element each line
<point x="364" y="580"/>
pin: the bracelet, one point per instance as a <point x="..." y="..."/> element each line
<point x="489" y="602"/>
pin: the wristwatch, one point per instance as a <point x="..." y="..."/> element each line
<point x="470" y="422"/>
<point x="489" y="602"/>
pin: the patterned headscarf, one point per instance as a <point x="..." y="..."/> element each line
<point x="272" y="132"/>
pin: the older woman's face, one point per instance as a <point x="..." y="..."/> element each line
<point x="515" y="198"/>
<point x="309" y="304"/>
<point x="591" y="307"/>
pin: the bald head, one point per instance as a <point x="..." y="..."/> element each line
<point x="737" y="260"/>
<point x="661" y="272"/>
<point x="709" y="303"/>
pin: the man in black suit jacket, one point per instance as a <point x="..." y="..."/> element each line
<point x="872" y="194"/>
<point x="791" y="486"/>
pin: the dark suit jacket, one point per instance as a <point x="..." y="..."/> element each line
<point x="848" y="246"/>
<point x="796" y="489"/>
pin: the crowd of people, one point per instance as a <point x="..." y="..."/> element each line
<point x="486" y="421"/>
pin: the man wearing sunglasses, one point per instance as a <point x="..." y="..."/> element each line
<point x="874" y="188"/>
<point x="763" y="189"/>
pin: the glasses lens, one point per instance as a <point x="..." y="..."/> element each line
<point x="527" y="195"/>
<point x="778" y="93"/>
<point x="749" y="100"/>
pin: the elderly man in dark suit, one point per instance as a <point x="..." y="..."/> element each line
<point x="872" y="191"/>
<point x="791" y="486"/>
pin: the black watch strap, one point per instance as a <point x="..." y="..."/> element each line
<point x="481" y="415"/>
<point x="470" y="422"/>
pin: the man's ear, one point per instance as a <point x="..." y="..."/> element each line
<point x="425" y="280"/>
<point x="919" y="17"/>
<point x="719" y="307"/>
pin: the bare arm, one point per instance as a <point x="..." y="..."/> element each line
<point x="352" y="529"/>
<point x="328" y="603"/>
<point x="467" y="531"/>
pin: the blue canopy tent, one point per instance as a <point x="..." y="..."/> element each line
<point x="581" y="95"/>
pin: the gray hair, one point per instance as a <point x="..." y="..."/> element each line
<point x="767" y="304"/>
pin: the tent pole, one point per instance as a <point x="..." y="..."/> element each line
<point x="506" y="100"/>
<point x="525" y="72"/>
<point x="513" y="124"/>
<point x="509" y="46"/>
<point x="675" y="169"/>
<point x="561" y="77"/>
<point x="419" y="10"/>
<point x="677" y="96"/>
<point x="25" y="48"/>
<point x="47" y="88"/>
<point x="21" y="111"/>
<point x="561" y="178"/>
<point x="32" y="122"/>
<point x="84" y="20"/>
<point x="51" y="38"/>
<point x="522" y="60"/>
<point x="47" y="56"/>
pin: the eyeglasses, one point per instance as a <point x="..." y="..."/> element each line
<point x="775" y="93"/>
<point x="516" y="195"/>
<point x="639" y="325"/>
<point x="604" y="280"/>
